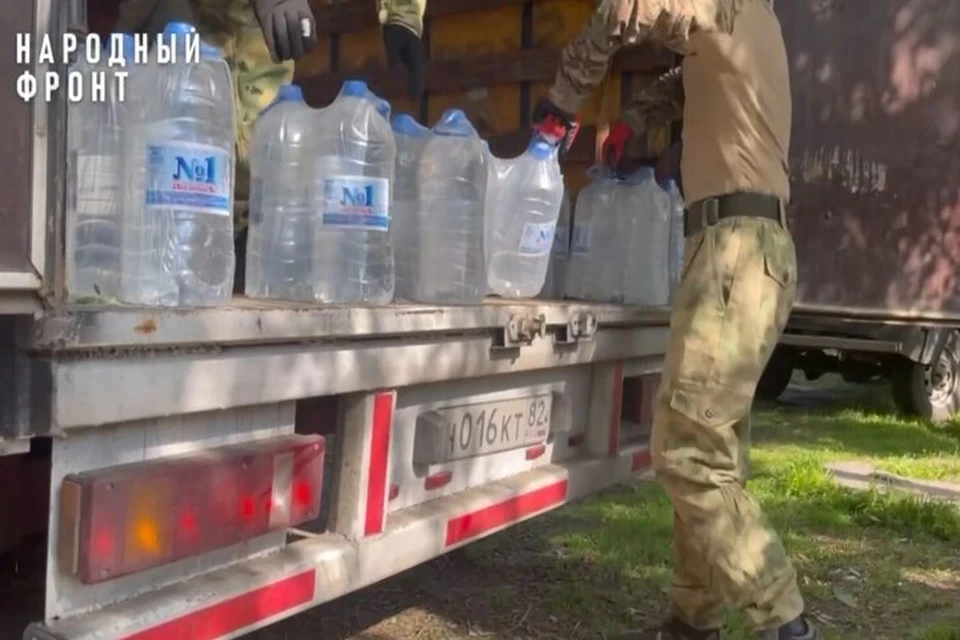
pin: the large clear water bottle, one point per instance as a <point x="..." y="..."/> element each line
<point x="527" y="206"/>
<point x="594" y="259"/>
<point x="675" y="250"/>
<point x="555" y="286"/>
<point x="411" y="138"/>
<point x="643" y="213"/>
<point x="94" y="145"/>
<point x="178" y="210"/>
<point x="453" y="183"/>
<point x="353" y="250"/>
<point x="282" y="202"/>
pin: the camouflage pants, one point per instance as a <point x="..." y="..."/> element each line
<point x="737" y="286"/>
<point x="231" y="26"/>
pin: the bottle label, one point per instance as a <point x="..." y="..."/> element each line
<point x="561" y="242"/>
<point x="189" y="177"/>
<point x="581" y="240"/>
<point x="356" y="202"/>
<point x="537" y="238"/>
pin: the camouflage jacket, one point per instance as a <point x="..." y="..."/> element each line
<point x="616" y="24"/>
<point x="406" y="13"/>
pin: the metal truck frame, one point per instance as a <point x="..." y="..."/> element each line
<point x="105" y="387"/>
<point x="875" y="167"/>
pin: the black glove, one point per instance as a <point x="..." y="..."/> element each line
<point x="405" y="49"/>
<point x="552" y="121"/>
<point x="288" y="27"/>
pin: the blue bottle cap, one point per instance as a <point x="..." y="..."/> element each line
<point x="454" y="122"/>
<point x="405" y="124"/>
<point x="541" y="149"/>
<point x="355" y="89"/>
<point x="175" y="33"/>
<point x="290" y="93"/>
<point x="178" y="29"/>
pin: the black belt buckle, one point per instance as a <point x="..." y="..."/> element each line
<point x="703" y="215"/>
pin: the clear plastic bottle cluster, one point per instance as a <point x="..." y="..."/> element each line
<point x="347" y="205"/>
<point x="620" y="248"/>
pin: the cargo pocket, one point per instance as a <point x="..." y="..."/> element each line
<point x="709" y="440"/>
<point x="777" y="270"/>
<point x="693" y="246"/>
<point x="709" y="406"/>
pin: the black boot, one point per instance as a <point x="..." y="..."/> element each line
<point x="672" y="629"/>
<point x="799" y="629"/>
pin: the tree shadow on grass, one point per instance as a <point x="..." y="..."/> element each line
<point x="594" y="568"/>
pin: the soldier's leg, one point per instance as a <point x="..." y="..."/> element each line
<point x="731" y="306"/>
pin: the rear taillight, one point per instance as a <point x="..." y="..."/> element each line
<point x="129" y="518"/>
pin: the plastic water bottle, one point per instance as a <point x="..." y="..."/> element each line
<point x="282" y="203"/>
<point x="353" y="251"/>
<point x="178" y="211"/>
<point x="555" y="285"/>
<point x="676" y="234"/>
<point x="411" y="138"/>
<point x="94" y="182"/>
<point x="643" y="213"/>
<point x="527" y="206"/>
<point x="594" y="267"/>
<point x="453" y="181"/>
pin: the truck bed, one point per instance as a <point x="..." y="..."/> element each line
<point x="250" y="321"/>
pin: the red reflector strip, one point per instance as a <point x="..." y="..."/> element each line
<point x="236" y="613"/>
<point x="473" y="524"/>
<point x="613" y="433"/>
<point x="437" y="480"/>
<point x="379" y="455"/>
<point x="641" y="460"/>
<point x="535" y="452"/>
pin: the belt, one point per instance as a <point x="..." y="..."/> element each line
<point x="709" y="211"/>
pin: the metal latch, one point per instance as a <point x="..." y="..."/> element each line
<point x="520" y="330"/>
<point x="581" y="326"/>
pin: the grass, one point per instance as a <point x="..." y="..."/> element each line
<point x="872" y="566"/>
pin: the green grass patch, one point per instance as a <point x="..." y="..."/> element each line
<point x="872" y="565"/>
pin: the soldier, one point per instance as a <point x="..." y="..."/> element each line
<point x="737" y="286"/>
<point x="402" y="22"/>
<point x="260" y="39"/>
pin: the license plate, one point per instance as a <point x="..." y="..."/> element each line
<point x="468" y="431"/>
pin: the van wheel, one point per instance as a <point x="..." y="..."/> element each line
<point x="776" y="376"/>
<point x="930" y="392"/>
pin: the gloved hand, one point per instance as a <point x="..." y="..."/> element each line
<point x="405" y="49"/>
<point x="288" y="27"/>
<point x="552" y="121"/>
<point x="613" y="147"/>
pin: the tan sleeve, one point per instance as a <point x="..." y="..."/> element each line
<point x="659" y="104"/>
<point x="615" y="24"/>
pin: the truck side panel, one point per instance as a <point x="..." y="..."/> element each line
<point x="16" y="139"/>
<point x="875" y="154"/>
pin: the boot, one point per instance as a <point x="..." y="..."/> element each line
<point x="799" y="629"/>
<point x="672" y="629"/>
